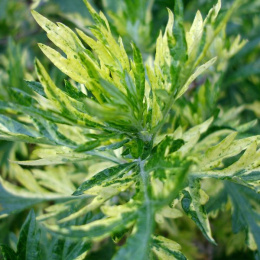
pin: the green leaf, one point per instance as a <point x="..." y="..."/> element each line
<point x="16" y="66"/>
<point x="179" y="52"/>
<point x="243" y="215"/>
<point x="22" y="97"/>
<point x="73" y="91"/>
<point x="113" y="146"/>
<point x="28" y="246"/>
<point x="66" y="249"/>
<point x="139" y="74"/>
<point x="7" y="253"/>
<point x="37" y="87"/>
<point x="12" y="203"/>
<point x="90" y="145"/>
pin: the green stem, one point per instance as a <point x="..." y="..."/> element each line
<point x="145" y="181"/>
<point x="149" y="211"/>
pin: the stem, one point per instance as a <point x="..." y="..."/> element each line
<point x="149" y="212"/>
<point x="145" y="181"/>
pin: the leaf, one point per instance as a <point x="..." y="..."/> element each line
<point x="16" y="66"/>
<point x="28" y="246"/>
<point x="12" y="203"/>
<point x="248" y="161"/>
<point x="227" y="148"/>
<point x="213" y="13"/>
<point x="72" y="68"/>
<point x="13" y="130"/>
<point x="67" y="249"/>
<point x="87" y="146"/>
<point x="98" y="20"/>
<point x="14" y="199"/>
<point x="194" y="35"/>
<point x="61" y="155"/>
<point x="25" y="177"/>
<point x="37" y="87"/>
<point x="197" y="72"/>
<point x="32" y="111"/>
<point x="168" y="212"/>
<point x="191" y="137"/>
<point x="60" y="35"/>
<point x="22" y="97"/>
<point x="7" y="253"/>
<point x="103" y="193"/>
<point x="162" y="55"/>
<point x="113" y="146"/>
<point x="139" y="73"/>
<point x="50" y="161"/>
<point x="243" y="215"/>
<point x="167" y="249"/>
<point x="104" y="175"/>
<point x="61" y="100"/>
<point x="73" y="91"/>
<point x="95" y="230"/>
<point x="179" y="51"/>
<point x="245" y="127"/>
<point x="193" y="208"/>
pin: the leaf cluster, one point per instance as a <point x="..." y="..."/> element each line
<point x="125" y="146"/>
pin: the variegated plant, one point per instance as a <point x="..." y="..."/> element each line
<point x="134" y="166"/>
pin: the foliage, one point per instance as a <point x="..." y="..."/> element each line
<point x="136" y="139"/>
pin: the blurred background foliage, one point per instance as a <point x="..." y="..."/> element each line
<point x="236" y="77"/>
